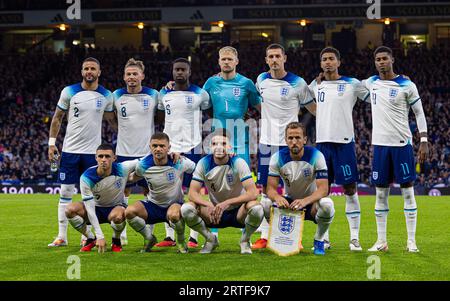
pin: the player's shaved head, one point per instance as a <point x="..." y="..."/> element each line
<point x="182" y="60"/>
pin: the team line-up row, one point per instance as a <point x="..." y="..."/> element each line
<point x="278" y="95"/>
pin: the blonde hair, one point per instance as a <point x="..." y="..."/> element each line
<point x="134" y="63"/>
<point x="228" y="49"/>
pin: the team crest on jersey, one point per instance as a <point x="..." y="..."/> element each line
<point x="286" y="224"/>
<point x="145" y="104"/>
<point x="98" y="103"/>
<point x="170" y="176"/>
<point x="189" y="100"/>
<point x="284" y="91"/>
<point x="393" y="93"/>
<point x="306" y="172"/>
<point x="375" y="175"/>
<point x="237" y="92"/>
<point x="341" y="89"/>
<point x="230" y="178"/>
<point x="118" y="183"/>
<point x="62" y="176"/>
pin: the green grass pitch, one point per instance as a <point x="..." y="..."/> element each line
<point x="29" y="223"/>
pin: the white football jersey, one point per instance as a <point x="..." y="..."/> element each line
<point x="335" y="100"/>
<point x="222" y="181"/>
<point x="108" y="191"/>
<point x="165" y="181"/>
<point x="390" y="102"/>
<point x="183" y="121"/>
<point x="84" y="110"/>
<point x="299" y="177"/>
<point x="135" y="115"/>
<point x="281" y="101"/>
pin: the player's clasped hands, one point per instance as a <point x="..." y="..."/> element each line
<point x="217" y="211"/>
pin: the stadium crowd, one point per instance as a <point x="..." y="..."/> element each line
<point x="30" y="86"/>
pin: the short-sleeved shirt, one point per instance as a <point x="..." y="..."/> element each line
<point x="390" y="102"/>
<point x="222" y="181"/>
<point x="183" y="116"/>
<point x="164" y="181"/>
<point x="135" y="115"/>
<point x="107" y="191"/>
<point x="84" y="110"/>
<point x="281" y="102"/>
<point x="335" y="100"/>
<point x="299" y="177"/>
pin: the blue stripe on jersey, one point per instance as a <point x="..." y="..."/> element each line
<point x="209" y="164"/>
<point x="198" y="180"/>
<point x="147" y="162"/>
<point x="65" y="110"/>
<point x="102" y="90"/>
<point x="74" y="89"/>
<point x="290" y="78"/>
<point x="373" y="78"/>
<point x="402" y="81"/>
<point x="119" y="92"/>
<point x="90" y="176"/>
<point x="117" y="169"/>
<point x="263" y="76"/>
<point x="88" y="199"/>
<point x="310" y="155"/>
<point x="246" y="178"/>
<point x="414" y="101"/>
<point x="149" y="91"/>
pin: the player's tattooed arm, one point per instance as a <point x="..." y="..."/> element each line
<point x="111" y="118"/>
<point x="55" y="126"/>
<point x="195" y="196"/>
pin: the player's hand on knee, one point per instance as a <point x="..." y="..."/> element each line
<point x="101" y="245"/>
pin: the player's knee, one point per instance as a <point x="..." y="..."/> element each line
<point x="266" y="203"/>
<point x="70" y="211"/>
<point x="130" y="212"/>
<point x="256" y="211"/>
<point x="174" y="215"/>
<point x="188" y="210"/>
<point x="326" y="205"/>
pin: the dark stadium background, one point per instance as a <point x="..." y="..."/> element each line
<point x="38" y="58"/>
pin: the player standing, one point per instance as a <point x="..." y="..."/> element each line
<point x="335" y="97"/>
<point x="135" y="108"/>
<point x="165" y="195"/>
<point x="304" y="174"/>
<point x="85" y="104"/>
<point x="102" y="190"/>
<point x="182" y="107"/>
<point x="283" y="93"/>
<point x="232" y="196"/>
<point x="391" y="97"/>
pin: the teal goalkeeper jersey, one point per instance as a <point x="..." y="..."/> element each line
<point x="230" y="101"/>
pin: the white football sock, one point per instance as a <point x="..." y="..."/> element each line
<point x="138" y="224"/>
<point x="353" y="212"/>
<point x="410" y="209"/>
<point x="195" y="222"/>
<point x="169" y="231"/>
<point x="324" y="217"/>
<point x="118" y="228"/>
<point x="253" y="219"/>
<point x="381" y="212"/>
<point x="266" y="204"/>
<point x="65" y="198"/>
<point x="193" y="234"/>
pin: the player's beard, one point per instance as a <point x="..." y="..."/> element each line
<point x="91" y="79"/>
<point x="296" y="150"/>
